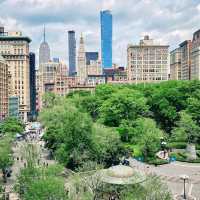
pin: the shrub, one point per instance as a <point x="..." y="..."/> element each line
<point x="182" y="157"/>
<point x="157" y="161"/>
<point x="134" y="149"/>
<point x="177" y="145"/>
<point x="198" y="153"/>
<point x="197" y="146"/>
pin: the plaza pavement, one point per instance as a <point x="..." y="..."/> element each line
<point x="170" y="173"/>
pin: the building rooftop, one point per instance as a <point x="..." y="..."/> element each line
<point x="146" y="42"/>
<point x="14" y="38"/>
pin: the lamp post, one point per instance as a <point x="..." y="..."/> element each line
<point x="184" y="178"/>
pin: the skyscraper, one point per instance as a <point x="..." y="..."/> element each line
<point x="82" y="70"/>
<point x="32" y="85"/>
<point x="44" y="51"/>
<point x="72" y="52"/>
<point x="106" y="38"/>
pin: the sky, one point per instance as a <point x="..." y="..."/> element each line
<point x="167" y="21"/>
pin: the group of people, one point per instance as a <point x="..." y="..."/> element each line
<point x="31" y="136"/>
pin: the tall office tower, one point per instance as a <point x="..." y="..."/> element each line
<point x="82" y="71"/>
<point x="3" y="88"/>
<point x="44" y="51"/>
<point x="32" y="85"/>
<point x="106" y="38"/>
<point x="14" y="47"/>
<point x="195" y="56"/>
<point x="175" y="64"/>
<point x="72" y="52"/>
<point x="148" y="61"/>
<point x="185" y="48"/>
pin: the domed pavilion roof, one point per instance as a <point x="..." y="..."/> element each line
<point x="122" y="175"/>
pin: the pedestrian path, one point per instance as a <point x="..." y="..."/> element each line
<point x="20" y="162"/>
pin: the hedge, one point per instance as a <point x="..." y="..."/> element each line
<point x="177" y="145"/>
<point x="157" y="161"/>
<point x="183" y="157"/>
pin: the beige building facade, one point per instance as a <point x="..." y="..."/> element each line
<point x="147" y="62"/>
<point x="14" y="47"/>
<point x="175" y="64"/>
<point x="195" y="56"/>
<point x="4" y="88"/>
<point x="185" y="48"/>
<point x="94" y="68"/>
<point x="52" y="77"/>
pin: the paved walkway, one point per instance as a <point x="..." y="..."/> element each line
<point x="19" y="162"/>
<point x="170" y="173"/>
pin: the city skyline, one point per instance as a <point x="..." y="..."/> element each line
<point x="169" y="22"/>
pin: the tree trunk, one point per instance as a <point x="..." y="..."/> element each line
<point x="4" y="177"/>
<point x="191" y="151"/>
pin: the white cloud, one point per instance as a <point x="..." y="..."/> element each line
<point x="167" y="21"/>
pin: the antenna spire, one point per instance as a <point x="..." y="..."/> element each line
<point x="44" y="34"/>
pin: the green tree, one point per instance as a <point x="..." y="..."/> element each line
<point x="150" y="141"/>
<point x="69" y="133"/>
<point x="193" y="106"/>
<point x="36" y="182"/>
<point x="186" y="128"/>
<point x="46" y="188"/>
<point x="146" y="134"/>
<point x="108" y="148"/>
<point x="11" y="126"/>
<point x="50" y="99"/>
<point x="6" y="158"/>
<point x="126" y="104"/>
<point x="152" y="188"/>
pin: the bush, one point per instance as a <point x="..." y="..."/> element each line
<point x="197" y="146"/>
<point x="182" y="157"/>
<point x="157" y="161"/>
<point x="135" y="150"/>
<point x="198" y="153"/>
<point x="177" y="145"/>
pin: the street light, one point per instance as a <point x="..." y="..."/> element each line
<point x="184" y="178"/>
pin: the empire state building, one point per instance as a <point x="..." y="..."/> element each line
<point x="44" y="51"/>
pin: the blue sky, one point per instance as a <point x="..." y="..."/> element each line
<point x="167" y="21"/>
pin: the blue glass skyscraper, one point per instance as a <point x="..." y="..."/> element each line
<point x="72" y="52"/>
<point x="106" y="38"/>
